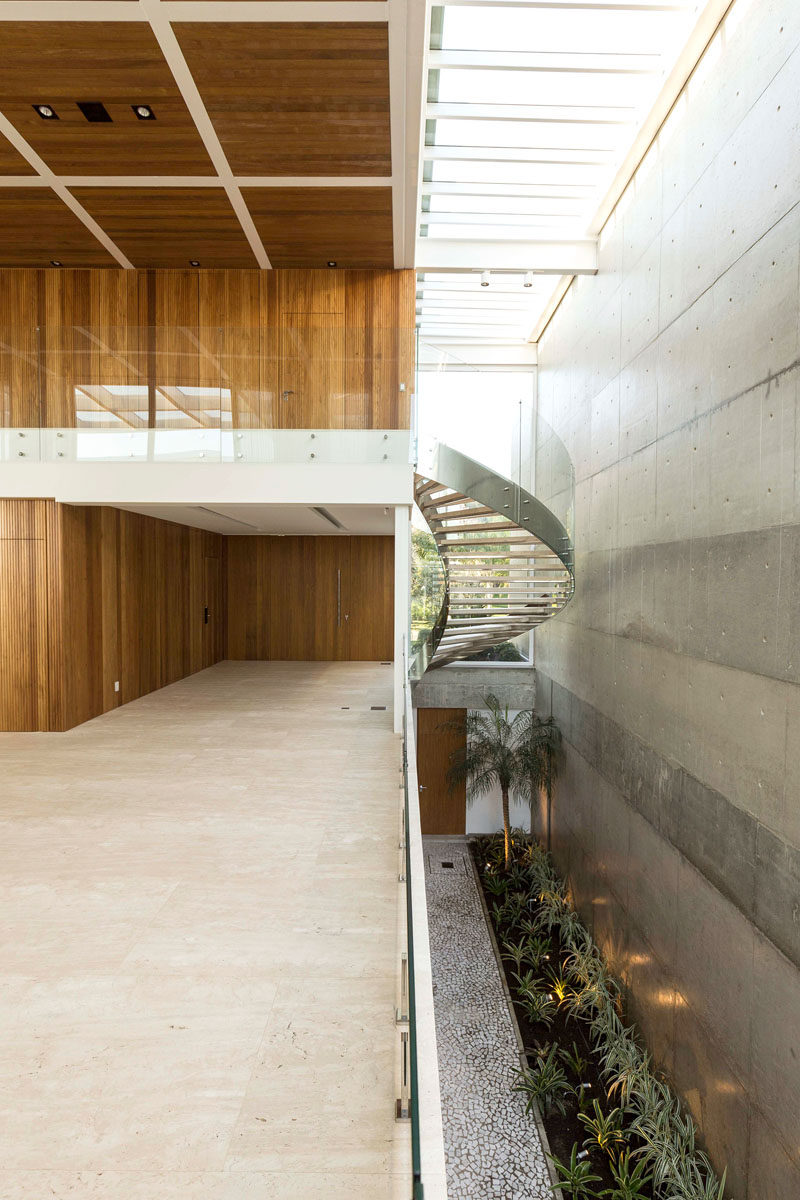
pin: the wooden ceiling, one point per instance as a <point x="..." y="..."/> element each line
<point x="271" y="143"/>
<point x="305" y="226"/>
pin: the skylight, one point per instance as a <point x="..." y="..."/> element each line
<point x="531" y="111"/>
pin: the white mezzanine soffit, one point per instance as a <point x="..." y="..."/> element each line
<point x="534" y="109"/>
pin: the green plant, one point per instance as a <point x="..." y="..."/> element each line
<point x="545" y="1081"/>
<point x="541" y="758"/>
<point x="575" y="1177"/>
<point x="495" y="885"/>
<point x="631" y="1179"/>
<point x="668" y="1153"/>
<point x="537" y="951"/>
<point x="514" y="952"/>
<point x="604" y="1129"/>
<point x="540" y="1007"/>
<point x="574" y="1060"/>
<point x="497" y="751"/>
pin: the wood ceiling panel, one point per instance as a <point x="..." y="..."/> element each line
<point x="295" y="99"/>
<point x="35" y="227"/>
<point x="308" y="227"/>
<point x="120" y="64"/>
<point x="11" y="161"/>
<point x="168" y="227"/>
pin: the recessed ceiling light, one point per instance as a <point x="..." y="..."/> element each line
<point x="528" y="281"/>
<point x="55" y="262"/>
<point x="46" y="112"/>
<point x="485" y="277"/>
<point x="144" y="112"/>
<point x="194" y="262"/>
<point x="331" y="262"/>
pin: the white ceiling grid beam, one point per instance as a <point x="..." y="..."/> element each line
<point x="176" y="11"/>
<point x="165" y="36"/>
<point x="46" y="178"/>
<point x="408" y="74"/>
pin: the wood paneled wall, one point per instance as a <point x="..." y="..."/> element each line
<point x="290" y="348"/>
<point x="24" y="675"/>
<point x="311" y="598"/>
<point x="90" y="596"/>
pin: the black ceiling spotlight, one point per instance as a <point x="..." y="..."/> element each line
<point x="56" y="262"/>
<point x="94" y="111"/>
<point x="143" y="112"/>
<point x="194" y="262"/>
<point x="45" y="112"/>
<point x="331" y="262"/>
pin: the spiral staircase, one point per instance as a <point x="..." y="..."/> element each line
<point x="507" y="560"/>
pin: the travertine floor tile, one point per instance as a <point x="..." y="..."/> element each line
<point x="198" y="940"/>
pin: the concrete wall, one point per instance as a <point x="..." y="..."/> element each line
<point x="458" y="686"/>
<point x="673" y="378"/>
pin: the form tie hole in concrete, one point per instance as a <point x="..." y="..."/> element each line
<point x="448" y="866"/>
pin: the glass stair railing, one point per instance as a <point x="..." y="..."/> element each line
<point x="506" y="559"/>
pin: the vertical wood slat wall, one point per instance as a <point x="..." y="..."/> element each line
<point x="341" y="341"/>
<point x="93" y="595"/>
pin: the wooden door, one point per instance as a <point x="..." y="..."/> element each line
<point x="369" y="595"/>
<point x="311" y="598"/>
<point x="442" y="809"/>
<point x="311" y="393"/>
<point x="212" y="611"/>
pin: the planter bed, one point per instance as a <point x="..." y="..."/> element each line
<point x="582" y="1060"/>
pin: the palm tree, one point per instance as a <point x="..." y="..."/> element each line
<point x="540" y="750"/>
<point x="496" y="752"/>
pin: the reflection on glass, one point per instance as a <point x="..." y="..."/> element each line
<point x="427" y="584"/>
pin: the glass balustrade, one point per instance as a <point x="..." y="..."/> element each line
<point x="315" y="391"/>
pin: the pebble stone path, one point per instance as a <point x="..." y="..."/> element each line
<point x="492" y="1147"/>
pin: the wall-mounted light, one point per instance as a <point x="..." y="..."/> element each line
<point x="143" y="112"/>
<point x="528" y="280"/>
<point x="55" y="262"/>
<point x="331" y="262"/>
<point x="46" y="112"/>
<point x="194" y="262"/>
<point x="485" y="277"/>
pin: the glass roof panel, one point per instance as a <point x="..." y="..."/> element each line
<point x="531" y="112"/>
<point x="512" y="205"/>
<point x="528" y="135"/>
<point x="476" y="171"/>
<point x="547" y="30"/>
<point x="547" y="87"/>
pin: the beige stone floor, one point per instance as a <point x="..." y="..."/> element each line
<point x="198" y="944"/>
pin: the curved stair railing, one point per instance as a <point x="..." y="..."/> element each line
<point x="507" y="559"/>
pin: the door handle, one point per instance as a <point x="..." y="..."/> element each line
<point x="205" y="615"/>
<point x="287" y="394"/>
<point x="423" y="787"/>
